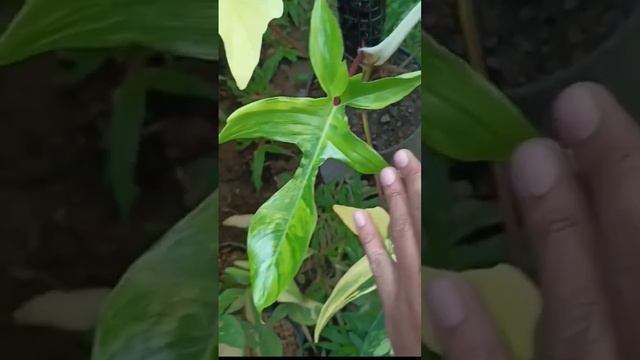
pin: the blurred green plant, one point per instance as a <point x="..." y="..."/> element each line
<point x="81" y="30"/>
<point x="164" y="306"/>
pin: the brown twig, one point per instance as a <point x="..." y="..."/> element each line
<point x="366" y="75"/>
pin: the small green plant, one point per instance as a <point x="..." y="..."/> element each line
<point x="240" y="326"/>
<point x="282" y="227"/>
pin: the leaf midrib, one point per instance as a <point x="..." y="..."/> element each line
<point x="319" y="148"/>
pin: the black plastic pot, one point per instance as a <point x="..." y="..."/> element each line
<point x="613" y="64"/>
<point x="361" y="21"/>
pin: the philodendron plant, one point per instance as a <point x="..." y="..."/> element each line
<point x="282" y="227"/>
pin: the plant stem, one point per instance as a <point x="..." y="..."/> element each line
<point x="466" y="12"/>
<point x="468" y="22"/>
<point x="366" y="75"/>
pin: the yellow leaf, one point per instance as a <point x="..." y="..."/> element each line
<point x="378" y="215"/>
<point x="513" y="302"/>
<point x="242" y="24"/>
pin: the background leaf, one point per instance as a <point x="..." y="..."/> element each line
<point x="242" y="24"/>
<point x="269" y="344"/>
<point x="463" y="115"/>
<point x="376" y="343"/>
<point x="232" y="336"/>
<point x="186" y="28"/>
<point x="165" y="306"/>
<point x="129" y="112"/>
<point x="349" y="287"/>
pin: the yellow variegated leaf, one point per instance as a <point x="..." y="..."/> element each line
<point x="513" y="302"/>
<point x="242" y="24"/>
<point x="378" y="215"/>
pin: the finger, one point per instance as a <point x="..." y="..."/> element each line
<point x="575" y="321"/>
<point x="402" y="231"/>
<point x="460" y="321"/>
<point x="606" y="144"/>
<point x="379" y="260"/>
<point x="411" y="171"/>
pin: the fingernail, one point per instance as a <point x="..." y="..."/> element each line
<point x="401" y="158"/>
<point x="535" y="167"/>
<point x="445" y="301"/>
<point x="577" y="113"/>
<point x="387" y="176"/>
<point x="359" y="218"/>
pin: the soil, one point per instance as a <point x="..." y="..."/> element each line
<point x="59" y="223"/>
<point x="526" y="40"/>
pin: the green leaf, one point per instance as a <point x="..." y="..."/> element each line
<point x="278" y="314"/>
<point x="256" y="167"/>
<point x="129" y="112"/>
<point x="280" y="230"/>
<point x="227" y="299"/>
<point x="232" y="337"/>
<point x="269" y="344"/>
<point x="165" y="306"/>
<point x="378" y="94"/>
<point x="376" y="343"/>
<point x="257" y="164"/>
<point x="348" y="288"/>
<point x="240" y="276"/>
<point x="326" y="50"/>
<point x="186" y="28"/>
<point x="463" y="115"/>
<point x="304" y="314"/>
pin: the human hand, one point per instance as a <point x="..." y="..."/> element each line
<point x="398" y="281"/>
<point x="581" y="211"/>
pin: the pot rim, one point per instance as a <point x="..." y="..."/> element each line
<point x="569" y="72"/>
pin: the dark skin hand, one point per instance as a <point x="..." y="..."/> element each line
<point x="579" y="198"/>
<point x="398" y="281"/>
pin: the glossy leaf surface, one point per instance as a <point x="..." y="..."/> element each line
<point x="378" y="94"/>
<point x="186" y="28"/>
<point x="280" y="230"/>
<point x="326" y="50"/>
<point x="463" y="115"/>
<point x="165" y="306"/>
